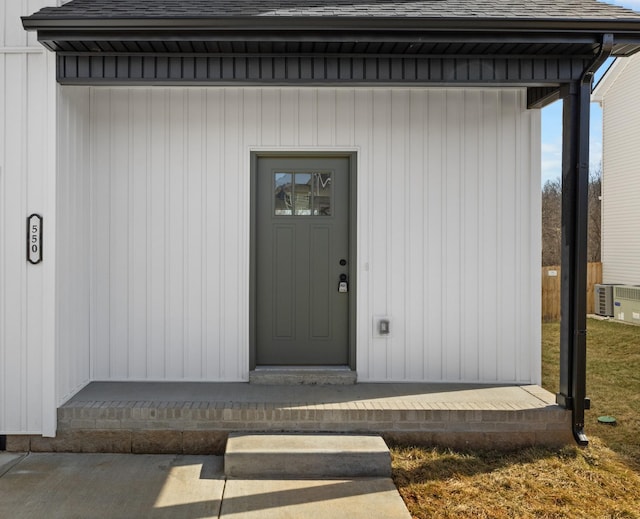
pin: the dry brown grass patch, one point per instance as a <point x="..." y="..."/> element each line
<point x="598" y="482"/>
<point x="529" y="483"/>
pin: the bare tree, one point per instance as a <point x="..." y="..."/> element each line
<point x="551" y="222"/>
<point x="552" y="219"/>
<point x="595" y="192"/>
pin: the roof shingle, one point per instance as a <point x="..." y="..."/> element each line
<point x="426" y="9"/>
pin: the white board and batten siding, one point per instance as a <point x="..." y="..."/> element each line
<point x="27" y="185"/>
<point x="620" y="100"/>
<point x="73" y="281"/>
<point x="448" y="234"/>
<point x="145" y="199"/>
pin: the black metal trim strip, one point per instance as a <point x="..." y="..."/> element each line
<point x="337" y="55"/>
<point x="298" y="35"/>
<point x="332" y="23"/>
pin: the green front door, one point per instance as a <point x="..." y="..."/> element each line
<point x="302" y="261"/>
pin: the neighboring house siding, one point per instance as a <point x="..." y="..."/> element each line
<point x="27" y="185"/>
<point x="448" y="227"/>
<point x="621" y="179"/>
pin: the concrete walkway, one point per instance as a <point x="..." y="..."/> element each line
<point x="88" y="486"/>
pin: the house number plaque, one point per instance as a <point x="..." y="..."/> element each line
<point x="34" y="239"/>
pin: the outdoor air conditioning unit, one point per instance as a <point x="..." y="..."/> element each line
<point x="626" y="303"/>
<point x="603" y="298"/>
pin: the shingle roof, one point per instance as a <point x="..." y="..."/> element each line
<point x="427" y="9"/>
<point x="548" y="41"/>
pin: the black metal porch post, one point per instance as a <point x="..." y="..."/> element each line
<point x="575" y="186"/>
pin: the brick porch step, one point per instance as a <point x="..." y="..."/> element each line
<point x="197" y="417"/>
<point x="254" y="456"/>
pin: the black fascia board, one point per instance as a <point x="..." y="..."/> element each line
<point x="52" y="28"/>
<point x="332" y="23"/>
<point x="628" y="44"/>
<point x="234" y="34"/>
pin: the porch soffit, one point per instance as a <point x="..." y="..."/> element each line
<point x="530" y="43"/>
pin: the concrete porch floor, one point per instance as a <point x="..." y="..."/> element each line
<point x="196" y="418"/>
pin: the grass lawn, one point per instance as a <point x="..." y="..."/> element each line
<point x="600" y="481"/>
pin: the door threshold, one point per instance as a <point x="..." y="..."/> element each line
<point x="302" y="368"/>
<point x="302" y="375"/>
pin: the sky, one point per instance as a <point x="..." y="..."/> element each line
<point x="552" y="125"/>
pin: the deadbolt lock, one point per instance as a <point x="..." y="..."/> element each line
<point x="343" y="286"/>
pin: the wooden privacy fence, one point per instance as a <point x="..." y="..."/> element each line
<point x="551" y="290"/>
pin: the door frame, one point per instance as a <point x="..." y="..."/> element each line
<point x="351" y="157"/>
